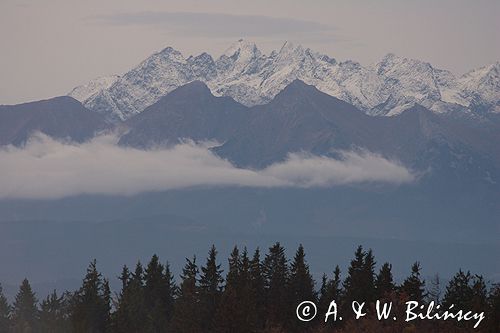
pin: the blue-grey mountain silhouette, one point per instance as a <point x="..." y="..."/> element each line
<point x="61" y="118"/>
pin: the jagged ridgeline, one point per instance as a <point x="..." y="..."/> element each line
<point x="259" y="293"/>
<point x="251" y="77"/>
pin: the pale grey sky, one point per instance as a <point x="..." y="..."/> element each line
<point x="48" y="47"/>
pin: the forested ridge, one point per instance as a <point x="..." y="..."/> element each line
<point x="258" y="293"/>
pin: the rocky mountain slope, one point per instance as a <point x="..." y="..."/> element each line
<point x="188" y="112"/>
<point x="244" y="73"/>
<point x="60" y="118"/>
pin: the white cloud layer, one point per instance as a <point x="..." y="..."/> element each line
<point x="48" y="169"/>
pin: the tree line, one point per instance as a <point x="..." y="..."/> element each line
<point x="259" y="293"/>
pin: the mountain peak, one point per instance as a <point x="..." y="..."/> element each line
<point x="295" y="90"/>
<point x="392" y="60"/>
<point x="167" y="50"/>
<point x="388" y="61"/>
<point x="390" y="56"/>
<point x="298" y="84"/>
<point x="58" y="101"/>
<point x="61" y="117"/>
<point x="241" y="48"/>
<point x="84" y="92"/>
<point x="204" y="56"/>
<point x="196" y="88"/>
<point x="487" y="70"/>
<point x="168" y="53"/>
<point x="253" y="78"/>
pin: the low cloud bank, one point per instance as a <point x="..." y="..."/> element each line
<point x="48" y="169"/>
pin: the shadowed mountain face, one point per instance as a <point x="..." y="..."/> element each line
<point x="59" y="117"/>
<point x="301" y="118"/>
<point x="447" y="150"/>
<point x="189" y="112"/>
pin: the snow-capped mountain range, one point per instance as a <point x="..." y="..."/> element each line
<point x="244" y="73"/>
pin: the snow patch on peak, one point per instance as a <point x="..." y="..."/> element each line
<point x="166" y="54"/>
<point x="242" y="49"/>
<point x="481" y="87"/>
<point x="244" y="73"/>
<point x="85" y="91"/>
<point x="392" y="62"/>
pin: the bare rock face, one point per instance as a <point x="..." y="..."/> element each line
<point x="244" y="73"/>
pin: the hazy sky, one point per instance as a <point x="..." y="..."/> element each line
<point x="48" y="47"/>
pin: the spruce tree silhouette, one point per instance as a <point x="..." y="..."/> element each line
<point x="25" y="311"/>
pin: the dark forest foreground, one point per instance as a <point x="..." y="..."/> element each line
<point x="259" y="293"/>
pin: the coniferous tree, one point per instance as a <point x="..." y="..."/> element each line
<point x="124" y="278"/>
<point x="235" y="266"/>
<point x="414" y="286"/>
<point x="131" y="315"/>
<point x="25" y="312"/>
<point x="369" y="277"/>
<point x="434" y="292"/>
<point x="324" y="300"/>
<point x="301" y="281"/>
<point x="210" y="289"/>
<point x="458" y="290"/>
<point x="106" y="296"/>
<point x="257" y="290"/>
<point x="118" y="303"/>
<point x="4" y="312"/>
<point x="276" y="277"/>
<point x="159" y="295"/>
<point x="90" y="311"/>
<point x="330" y="291"/>
<point x="171" y="291"/>
<point x="493" y="315"/>
<point x="359" y="285"/>
<point x="466" y="292"/>
<point x="384" y="282"/>
<point x="479" y="300"/>
<point x="53" y="314"/>
<point x="353" y="283"/>
<point x="335" y="289"/>
<point x="301" y="286"/>
<point x="186" y="318"/>
<point x="248" y="295"/>
<point x="229" y="312"/>
<point x="237" y="308"/>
